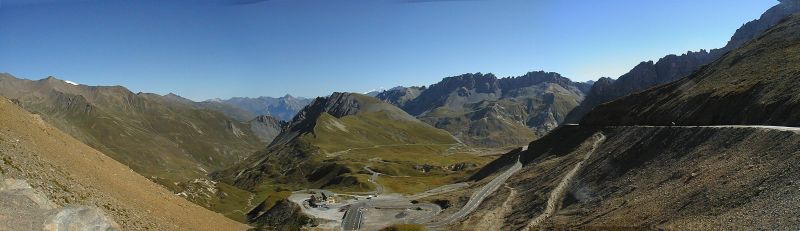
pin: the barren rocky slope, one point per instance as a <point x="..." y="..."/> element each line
<point x="716" y="178"/>
<point x="70" y="173"/>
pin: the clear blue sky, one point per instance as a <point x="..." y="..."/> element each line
<point x="222" y="48"/>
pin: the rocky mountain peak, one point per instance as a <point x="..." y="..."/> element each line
<point x="178" y="98"/>
<point x="341" y="104"/>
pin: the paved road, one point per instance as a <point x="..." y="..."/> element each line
<point x="354" y="217"/>
<point x="478" y="197"/>
<point x="374" y="180"/>
<point x="768" y="127"/>
<point x="558" y="194"/>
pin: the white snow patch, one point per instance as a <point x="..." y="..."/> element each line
<point x="70" y="82"/>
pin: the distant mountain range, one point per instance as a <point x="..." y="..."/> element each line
<point x="245" y="109"/>
<point x="486" y="111"/>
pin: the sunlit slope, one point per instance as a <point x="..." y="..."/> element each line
<point x="331" y="141"/>
<point x="168" y="141"/>
<point x="72" y="173"/>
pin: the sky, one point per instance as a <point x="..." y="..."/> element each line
<point x="203" y="49"/>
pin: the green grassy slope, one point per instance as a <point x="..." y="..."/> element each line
<point x="330" y="143"/>
<point x="167" y="142"/>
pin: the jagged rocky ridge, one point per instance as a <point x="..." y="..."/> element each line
<point x="673" y="67"/>
<point x="487" y="111"/>
<point x="756" y="84"/>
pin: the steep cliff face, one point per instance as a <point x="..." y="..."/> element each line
<point x="483" y="110"/>
<point x="672" y="67"/>
<point x="399" y="96"/>
<point x="266" y="128"/>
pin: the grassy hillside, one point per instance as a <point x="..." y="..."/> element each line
<point x="72" y="173"/>
<point x="165" y="140"/>
<point x="329" y="144"/>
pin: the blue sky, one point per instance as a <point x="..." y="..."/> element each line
<point x="205" y="49"/>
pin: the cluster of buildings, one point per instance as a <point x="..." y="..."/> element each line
<point x="321" y="198"/>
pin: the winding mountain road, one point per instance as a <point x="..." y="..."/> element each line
<point x="558" y="194"/>
<point x="374" y="179"/>
<point x="478" y="197"/>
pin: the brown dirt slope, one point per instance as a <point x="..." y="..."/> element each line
<point x="670" y="178"/>
<point x="71" y="173"/>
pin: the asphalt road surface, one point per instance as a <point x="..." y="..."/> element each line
<point x="354" y="217"/>
<point x="374" y="180"/>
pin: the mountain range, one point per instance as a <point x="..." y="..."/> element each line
<point x="245" y="109"/>
<point x="329" y="141"/>
<point x="700" y="141"/>
<point x="674" y="67"/>
<point x="612" y="170"/>
<point x="486" y="111"/>
<point x="157" y="136"/>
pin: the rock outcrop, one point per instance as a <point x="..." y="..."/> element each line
<point x="266" y="127"/>
<point x="21" y="206"/>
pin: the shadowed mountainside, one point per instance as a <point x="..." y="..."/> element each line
<point x="673" y="67"/>
<point x="756" y="84"/>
